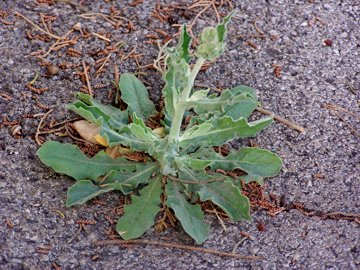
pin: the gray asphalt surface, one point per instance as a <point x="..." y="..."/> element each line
<point x="321" y="166"/>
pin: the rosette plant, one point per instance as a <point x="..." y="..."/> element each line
<point x="182" y="163"/>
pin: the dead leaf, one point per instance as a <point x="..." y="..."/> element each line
<point x="117" y="151"/>
<point x="89" y="132"/>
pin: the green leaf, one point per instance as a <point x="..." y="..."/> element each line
<point x="229" y="198"/>
<point x="142" y="132"/>
<point x="252" y="160"/>
<point x="248" y="178"/>
<point x="124" y="137"/>
<point x="140" y="215"/>
<point x="177" y="74"/>
<point x="212" y="40"/>
<point x="183" y="45"/>
<point x="92" y="110"/>
<point x="190" y="215"/>
<point x="127" y="182"/>
<point x="186" y="173"/>
<point x="237" y="102"/>
<point x="69" y="160"/>
<point x="135" y="95"/>
<point x="164" y="153"/>
<point x="221" y="130"/>
<point x="221" y="28"/>
<point x="82" y="191"/>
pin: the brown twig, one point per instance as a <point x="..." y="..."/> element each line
<point x="102" y="66"/>
<point x="101" y="37"/>
<point x="177" y="246"/>
<point x="282" y="120"/>
<point x="129" y="54"/>
<point x="39" y="126"/>
<point x="336" y="107"/>
<point x="36" y="26"/>
<point x="257" y="28"/>
<point x="76" y="234"/>
<point x="87" y="79"/>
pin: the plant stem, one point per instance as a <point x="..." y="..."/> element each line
<point x="180" y="109"/>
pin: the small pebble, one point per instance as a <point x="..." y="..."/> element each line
<point x="52" y="70"/>
<point x="328" y="42"/>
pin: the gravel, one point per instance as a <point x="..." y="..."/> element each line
<point x="321" y="166"/>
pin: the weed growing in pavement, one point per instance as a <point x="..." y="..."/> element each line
<point x="182" y="165"/>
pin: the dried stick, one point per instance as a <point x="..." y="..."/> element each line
<point x="76" y="234"/>
<point x="36" y="26"/>
<point x="99" y="70"/>
<point x="39" y="126"/>
<point x="257" y="28"/>
<point x="178" y="246"/>
<point x="282" y="120"/>
<point x="341" y="214"/>
<point x="87" y="79"/>
<point x="101" y="37"/>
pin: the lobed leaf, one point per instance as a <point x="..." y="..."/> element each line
<point x="221" y="130"/>
<point x="142" y="132"/>
<point x="92" y="110"/>
<point x="190" y="215"/>
<point x="252" y="160"/>
<point x="69" y="160"/>
<point x="222" y="27"/>
<point x="136" y="96"/>
<point x="228" y="197"/>
<point x="124" y="137"/>
<point x="140" y="215"/>
<point x="237" y="102"/>
<point x="127" y="182"/>
<point x="197" y="177"/>
<point x="177" y="74"/>
<point x="183" y="45"/>
<point x="82" y="191"/>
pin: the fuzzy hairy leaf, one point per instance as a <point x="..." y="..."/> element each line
<point x="92" y="110"/>
<point x="197" y="177"/>
<point x="140" y="131"/>
<point x="212" y="40"/>
<point x="228" y="197"/>
<point x="127" y="182"/>
<point x="221" y="130"/>
<point x="140" y="215"/>
<point x="82" y="191"/>
<point x="237" y="102"/>
<point x="190" y="215"/>
<point x="69" y="160"/>
<point x="177" y="74"/>
<point x="252" y="160"/>
<point x="124" y="137"/>
<point x="136" y="96"/>
<point x="183" y="45"/>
